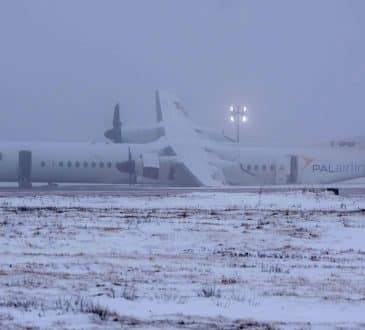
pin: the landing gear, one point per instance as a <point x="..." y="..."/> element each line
<point x="25" y="169"/>
<point x="335" y="191"/>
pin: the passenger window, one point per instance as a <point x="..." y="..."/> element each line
<point x="272" y="167"/>
<point x="77" y="164"/>
<point x="86" y="164"/>
<point x="43" y="163"/>
<point x="256" y="167"/>
<point x="60" y="164"/>
<point x="69" y="164"/>
<point x="101" y="165"/>
<point x="109" y="164"/>
<point x="93" y="164"/>
<point x="264" y="167"/>
<point x="1" y="156"/>
<point x="248" y="167"/>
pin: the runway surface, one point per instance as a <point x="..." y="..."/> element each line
<point x="347" y="190"/>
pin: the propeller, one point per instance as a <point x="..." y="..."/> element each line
<point x="115" y="134"/>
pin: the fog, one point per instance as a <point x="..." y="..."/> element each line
<point x="297" y="65"/>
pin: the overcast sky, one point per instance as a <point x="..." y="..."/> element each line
<point x="298" y="65"/>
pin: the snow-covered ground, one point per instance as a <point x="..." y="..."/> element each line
<point x="200" y="260"/>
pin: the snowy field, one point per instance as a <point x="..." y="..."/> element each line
<point x="189" y="261"/>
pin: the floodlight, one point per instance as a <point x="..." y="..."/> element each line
<point x="237" y="115"/>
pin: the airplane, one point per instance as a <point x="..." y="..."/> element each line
<point x="214" y="159"/>
<point x="109" y="163"/>
<point x="177" y="152"/>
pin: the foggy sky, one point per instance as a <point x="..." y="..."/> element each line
<point x="298" y="65"/>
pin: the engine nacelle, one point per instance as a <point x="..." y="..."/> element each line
<point x="142" y="135"/>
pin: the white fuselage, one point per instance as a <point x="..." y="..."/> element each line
<point x="262" y="165"/>
<point x="97" y="163"/>
<point x="94" y="163"/>
<point x="66" y="162"/>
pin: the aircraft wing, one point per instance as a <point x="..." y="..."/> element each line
<point x="185" y="141"/>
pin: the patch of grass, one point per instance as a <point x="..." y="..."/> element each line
<point x="24" y="304"/>
<point x="273" y="269"/>
<point x="228" y="280"/>
<point x="83" y="305"/>
<point x="129" y="293"/>
<point x="208" y="291"/>
<point x="4" y="222"/>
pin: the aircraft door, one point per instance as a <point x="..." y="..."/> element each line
<point x="282" y="170"/>
<point x="151" y="166"/>
<point x="25" y="169"/>
<point x="293" y="176"/>
<point x="287" y="170"/>
<point x="280" y="175"/>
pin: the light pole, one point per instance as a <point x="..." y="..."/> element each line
<point x="238" y="115"/>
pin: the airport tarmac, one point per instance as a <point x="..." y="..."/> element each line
<point x="157" y="190"/>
